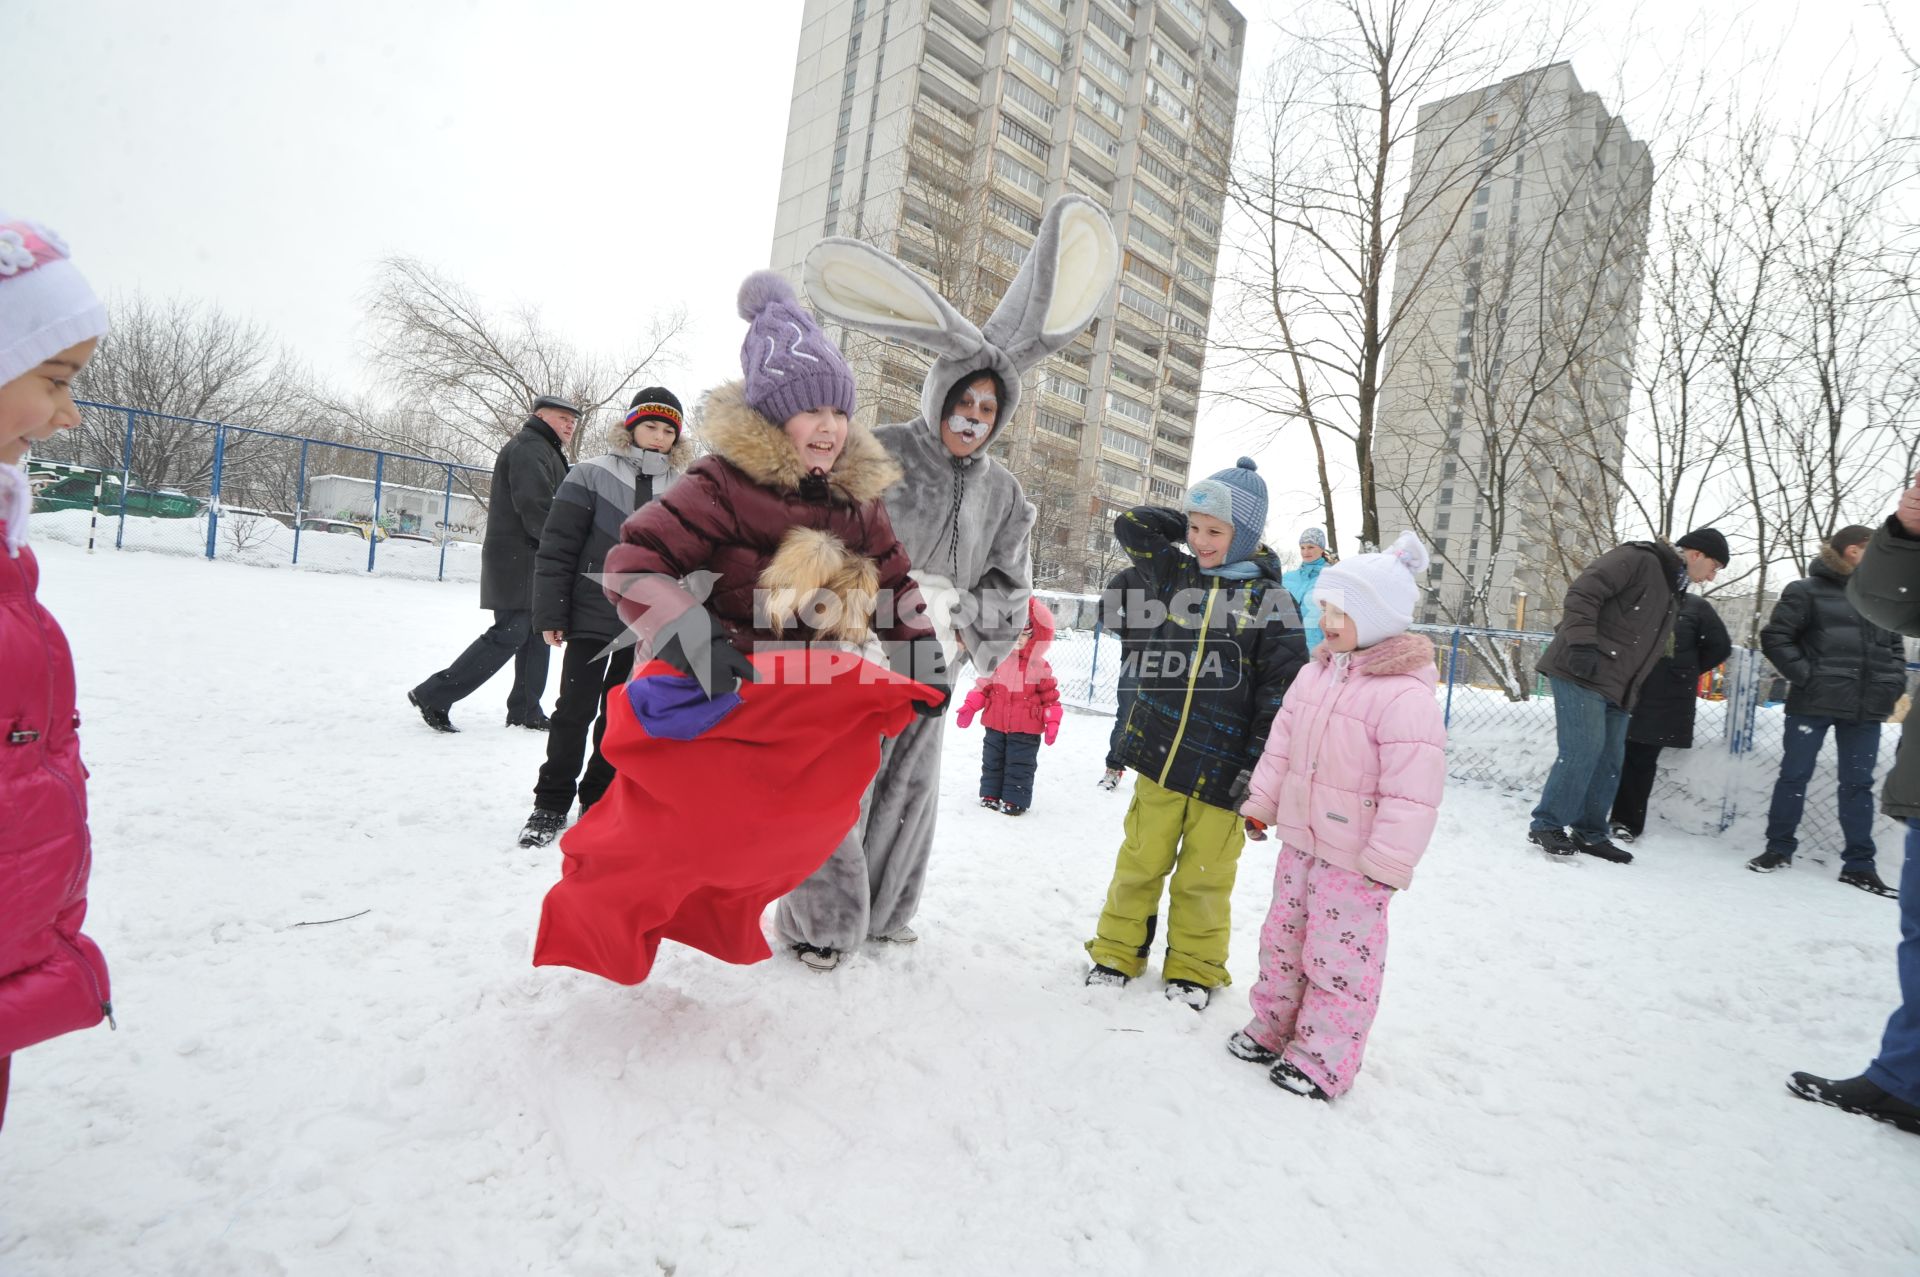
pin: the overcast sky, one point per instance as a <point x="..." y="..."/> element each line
<point x="599" y="160"/>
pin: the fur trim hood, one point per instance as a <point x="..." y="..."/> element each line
<point x="1401" y="654"/>
<point x="759" y="449"/>
<point x="1830" y="564"/>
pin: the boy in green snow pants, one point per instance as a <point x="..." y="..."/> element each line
<point x="1222" y="644"/>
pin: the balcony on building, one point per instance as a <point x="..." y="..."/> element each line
<point x="971" y="16"/>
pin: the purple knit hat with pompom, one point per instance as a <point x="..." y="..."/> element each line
<point x="790" y="365"/>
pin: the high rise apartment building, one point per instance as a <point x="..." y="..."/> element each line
<point x="940" y="130"/>
<point x="1501" y="418"/>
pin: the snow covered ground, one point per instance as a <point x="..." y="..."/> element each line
<point x="1578" y="1068"/>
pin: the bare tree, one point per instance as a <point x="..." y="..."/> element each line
<point x="180" y="358"/>
<point x="1330" y="181"/>
<point x="442" y="352"/>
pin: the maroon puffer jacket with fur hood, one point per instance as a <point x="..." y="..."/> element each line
<point x="749" y="513"/>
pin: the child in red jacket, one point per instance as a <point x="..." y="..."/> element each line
<point x="1022" y="702"/>
<point x="52" y="977"/>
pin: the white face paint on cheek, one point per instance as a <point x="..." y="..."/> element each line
<point x="967" y="428"/>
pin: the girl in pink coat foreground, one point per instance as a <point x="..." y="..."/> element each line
<point x="52" y="978"/>
<point x="1351" y="781"/>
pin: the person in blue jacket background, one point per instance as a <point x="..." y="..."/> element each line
<point x="1299" y="582"/>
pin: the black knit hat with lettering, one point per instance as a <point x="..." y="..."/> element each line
<point x="654" y="403"/>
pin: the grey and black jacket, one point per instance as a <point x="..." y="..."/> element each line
<point x="1886" y="589"/>
<point x="583" y="525"/>
<point x="1838" y="663"/>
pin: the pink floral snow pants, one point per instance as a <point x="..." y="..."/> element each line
<point x="1323" y="954"/>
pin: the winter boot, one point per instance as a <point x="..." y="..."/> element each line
<point x="1008" y="809"/>
<point x="816" y="958"/>
<point x="1858" y="1095"/>
<point x="1194" y="995"/>
<point x="1868" y="881"/>
<point x="1241" y="1046"/>
<point x="1621" y="833"/>
<point x="1106" y="977"/>
<point x="1111" y="779"/>
<point x="902" y="934"/>
<point x="1554" y="842"/>
<point x="536" y="721"/>
<point x="436" y="718"/>
<point x="1768" y="861"/>
<point x="1603" y="850"/>
<point x="542" y="827"/>
<point x="1288" y="1077"/>
<point x="991" y="804"/>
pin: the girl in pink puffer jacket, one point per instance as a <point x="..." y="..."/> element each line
<point x="1351" y="781"/>
<point x="52" y="978"/>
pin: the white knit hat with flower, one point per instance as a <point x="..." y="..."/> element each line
<point x="1378" y="591"/>
<point x="45" y="305"/>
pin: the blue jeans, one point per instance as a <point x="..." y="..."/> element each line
<point x="1897" y="1069"/>
<point x="1592" y="733"/>
<point x="1859" y="746"/>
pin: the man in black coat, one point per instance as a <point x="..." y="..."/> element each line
<point x="1663" y="718"/>
<point x="525" y="476"/>
<point x="1613" y="629"/>
<point x="1845" y="674"/>
<point x="1886" y="589"/>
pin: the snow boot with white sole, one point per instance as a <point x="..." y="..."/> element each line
<point x="816" y="958"/>
<point x="1288" y="1077"/>
<point x="1241" y="1046"/>
<point x="1194" y="995"/>
<point x="1107" y="977"/>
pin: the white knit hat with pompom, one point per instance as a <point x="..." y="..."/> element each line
<point x="1379" y="591"/>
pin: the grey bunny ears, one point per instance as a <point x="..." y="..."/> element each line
<point x="1061" y="285"/>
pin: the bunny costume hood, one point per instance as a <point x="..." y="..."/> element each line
<point x="965" y="521"/>
<point x="965" y="524"/>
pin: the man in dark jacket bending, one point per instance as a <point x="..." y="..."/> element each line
<point x="1845" y="674"/>
<point x="1613" y="628"/>
<point x="1886" y="589"/>
<point x="525" y="475"/>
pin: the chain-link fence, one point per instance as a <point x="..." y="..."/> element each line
<point x="1501" y="732"/>
<point x="128" y="479"/>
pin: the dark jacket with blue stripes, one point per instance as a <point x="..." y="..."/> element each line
<point x="1212" y="665"/>
<point x="584" y="523"/>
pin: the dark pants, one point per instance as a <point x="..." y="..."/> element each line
<point x="1638" y="767"/>
<point x="1116" y="743"/>
<point x="1007" y="765"/>
<point x="585" y="679"/>
<point x="1859" y="748"/>
<point x="1592" y="735"/>
<point x="6" y="1064"/>
<point x="510" y="638"/>
<point x="1896" y="1069"/>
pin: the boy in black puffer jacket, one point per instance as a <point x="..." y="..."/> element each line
<point x="1845" y="675"/>
<point x="1213" y="666"/>
<point x="570" y="608"/>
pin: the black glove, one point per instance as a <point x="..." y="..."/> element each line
<point x="1237" y="792"/>
<point x="1583" y="660"/>
<point x="923" y="661"/>
<point x="709" y="658"/>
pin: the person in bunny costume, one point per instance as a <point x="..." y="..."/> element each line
<point x="1350" y="780"/>
<point x="962" y="516"/>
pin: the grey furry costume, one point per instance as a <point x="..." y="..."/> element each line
<point x="965" y="522"/>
